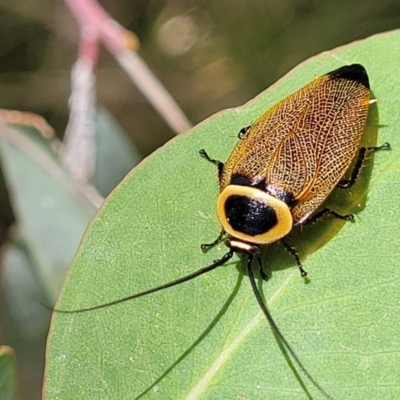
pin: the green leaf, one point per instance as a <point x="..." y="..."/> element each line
<point x="8" y="374"/>
<point x="207" y="338"/>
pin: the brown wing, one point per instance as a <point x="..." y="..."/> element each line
<point x="305" y="143"/>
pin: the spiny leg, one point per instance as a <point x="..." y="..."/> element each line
<point x="206" y="246"/>
<point x="219" y="164"/>
<point x="348" y="183"/>
<point x="328" y="211"/>
<point x="293" y="253"/>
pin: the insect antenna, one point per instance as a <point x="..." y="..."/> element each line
<point x="176" y="282"/>
<point x="275" y="328"/>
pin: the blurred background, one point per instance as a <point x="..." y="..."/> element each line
<point x="210" y="55"/>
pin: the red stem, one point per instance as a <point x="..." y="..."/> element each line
<point x="92" y="18"/>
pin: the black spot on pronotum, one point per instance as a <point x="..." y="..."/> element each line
<point x="249" y="216"/>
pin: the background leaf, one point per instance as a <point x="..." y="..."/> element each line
<point x="207" y="338"/>
<point x="116" y="155"/>
<point x="52" y="213"/>
<point x="8" y="374"/>
<point x="51" y="210"/>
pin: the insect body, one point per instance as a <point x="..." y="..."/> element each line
<point x="291" y="158"/>
<point x="283" y="168"/>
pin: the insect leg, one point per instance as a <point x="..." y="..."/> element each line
<point x="219" y="164"/>
<point x="326" y="211"/>
<point x="348" y="183"/>
<point x="207" y="246"/>
<point x="293" y="253"/>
